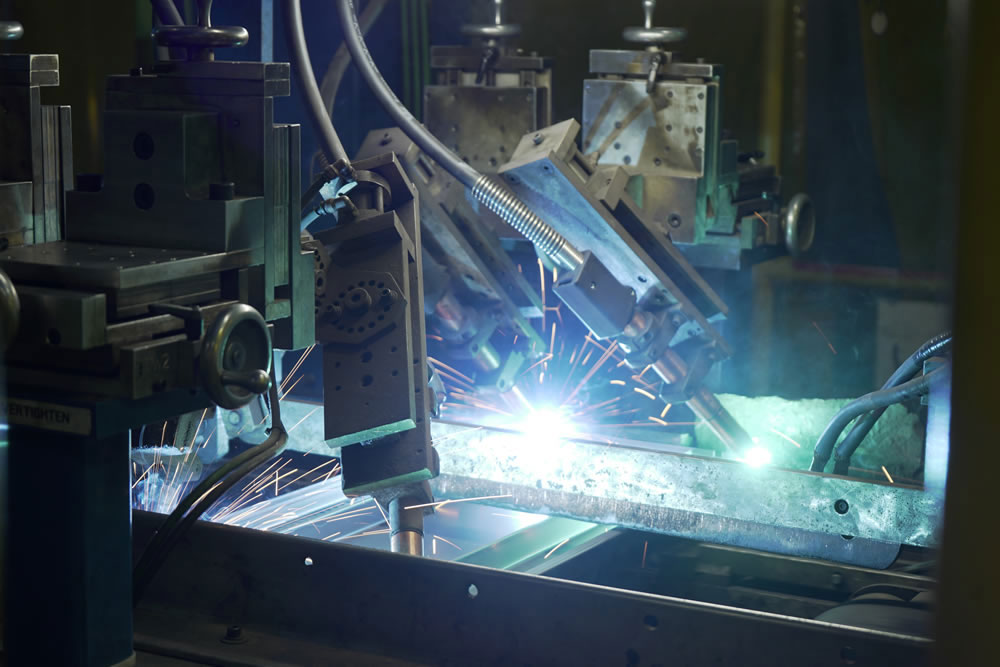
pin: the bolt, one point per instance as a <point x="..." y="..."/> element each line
<point x="234" y="632"/>
<point x="537" y="139"/>
<point x="841" y="506"/>
<point x="836" y="579"/>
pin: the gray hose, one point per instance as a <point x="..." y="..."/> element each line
<point x="306" y="81"/>
<point x="167" y="12"/>
<point x="906" y="371"/>
<point x="342" y="58"/>
<point x="492" y="194"/>
<point x="399" y="113"/>
<point x="873" y="401"/>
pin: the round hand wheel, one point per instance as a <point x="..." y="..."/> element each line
<point x="235" y="362"/>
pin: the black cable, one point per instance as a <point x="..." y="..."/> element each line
<point x="906" y="371"/>
<point x="427" y="142"/>
<point x="203" y="496"/>
<point x="306" y="81"/>
<point x="873" y="401"/>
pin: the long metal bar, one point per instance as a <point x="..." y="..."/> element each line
<point x="714" y="500"/>
<point x="281" y="592"/>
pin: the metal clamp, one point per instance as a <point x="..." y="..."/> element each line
<point x="649" y="34"/>
<point x="798" y="223"/>
<point x="10" y="30"/>
<point x="235" y="362"/>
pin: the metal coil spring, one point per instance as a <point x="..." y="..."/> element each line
<point x="496" y="197"/>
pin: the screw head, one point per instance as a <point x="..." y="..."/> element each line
<point x="840" y="506"/>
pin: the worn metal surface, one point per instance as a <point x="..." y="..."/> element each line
<point x="626" y="125"/>
<point x="36" y="165"/>
<point x="720" y="501"/>
<point x="450" y="613"/>
<point x="591" y="208"/>
<point x="108" y="266"/>
<point x="374" y="336"/>
<point x="483" y="124"/>
<point x="665" y="125"/>
<point x="479" y="272"/>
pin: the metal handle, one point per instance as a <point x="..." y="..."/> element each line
<point x="648" y="34"/>
<point x="648" y="6"/>
<point x="235" y="362"/>
<point x="496" y="30"/>
<point x="799" y="224"/>
<point x="201" y="39"/>
<point x="10" y="311"/>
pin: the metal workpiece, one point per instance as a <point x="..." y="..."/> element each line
<point x="591" y="209"/>
<point x="223" y="576"/>
<point x="201" y="39"/>
<point x="596" y="297"/>
<point x="715" y="500"/>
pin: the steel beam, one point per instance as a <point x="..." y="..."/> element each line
<point x="713" y="500"/>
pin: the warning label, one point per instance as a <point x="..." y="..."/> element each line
<point x="49" y="416"/>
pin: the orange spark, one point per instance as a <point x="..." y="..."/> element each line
<point x="887" y="475"/>
<point x="761" y="218"/>
<point x="828" y="343"/>
<point x="555" y="548"/>
<point x="779" y="433"/>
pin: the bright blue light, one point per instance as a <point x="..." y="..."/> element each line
<point x="546" y="424"/>
<point x="757" y="457"/>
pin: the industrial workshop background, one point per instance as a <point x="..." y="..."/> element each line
<point x="880" y="110"/>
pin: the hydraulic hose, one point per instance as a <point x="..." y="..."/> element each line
<point x="167" y="12"/>
<point x="490" y="193"/>
<point x="306" y="80"/>
<point x="906" y="371"/>
<point x="335" y="71"/>
<point x="873" y="401"/>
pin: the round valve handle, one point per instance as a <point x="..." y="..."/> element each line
<point x="496" y="30"/>
<point x="201" y="38"/>
<point x="11" y="30"/>
<point x="235" y="361"/>
<point x="650" y="34"/>
<point x="798" y="223"/>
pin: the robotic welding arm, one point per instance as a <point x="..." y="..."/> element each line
<point x="644" y="330"/>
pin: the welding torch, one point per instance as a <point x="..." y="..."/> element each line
<point x="606" y="306"/>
